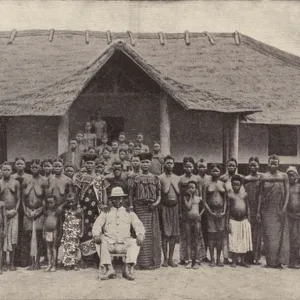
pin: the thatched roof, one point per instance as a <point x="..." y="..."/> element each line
<point x="222" y="72"/>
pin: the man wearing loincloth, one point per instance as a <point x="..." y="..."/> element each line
<point x="169" y="213"/>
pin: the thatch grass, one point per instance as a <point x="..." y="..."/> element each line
<point x="39" y="77"/>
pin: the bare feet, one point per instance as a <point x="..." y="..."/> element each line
<point x="243" y="264"/>
<point x="293" y="266"/>
<point x="53" y="269"/>
<point x="233" y="265"/>
<point x="219" y="264"/>
<point x="212" y="263"/>
<point x="76" y="268"/>
<point x="12" y="268"/>
<point x="226" y="261"/>
<point x="165" y="263"/>
<point x="196" y="265"/>
<point x="30" y="268"/>
<point x="205" y="259"/>
<point x="172" y="264"/>
<point x="36" y="266"/>
<point x="182" y="262"/>
<point x="48" y="269"/>
<point x="257" y="263"/>
<point x="0" y="271"/>
<point x="189" y="265"/>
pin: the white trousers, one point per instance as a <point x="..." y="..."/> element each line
<point x="130" y="248"/>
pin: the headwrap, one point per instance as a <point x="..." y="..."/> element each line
<point x="145" y="156"/>
<point x="89" y="157"/>
<point x="292" y="169"/>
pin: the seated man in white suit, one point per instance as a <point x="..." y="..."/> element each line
<point x="112" y="230"/>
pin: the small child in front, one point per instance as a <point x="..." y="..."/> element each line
<point x="192" y="220"/>
<point x="50" y="232"/>
<point x="238" y="225"/>
<point x="72" y="232"/>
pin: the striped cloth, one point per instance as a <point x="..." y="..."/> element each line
<point x="239" y="239"/>
<point x="275" y="228"/>
<point x="150" y="251"/>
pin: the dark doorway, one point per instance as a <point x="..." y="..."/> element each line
<point x="3" y="145"/>
<point x="115" y="125"/>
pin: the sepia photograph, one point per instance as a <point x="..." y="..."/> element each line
<point x="149" y="149"/>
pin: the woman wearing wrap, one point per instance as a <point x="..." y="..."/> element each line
<point x="145" y="196"/>
<point x="272" y="206"/>
<point x="92" y="197"/>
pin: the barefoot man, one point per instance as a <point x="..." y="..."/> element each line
<point x="169" y="212"/>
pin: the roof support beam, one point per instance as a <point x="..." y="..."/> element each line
<point x="63" y="134"/>
<point x="234" y="128"/>
<point x="225" y="138"/>
<point x="165" y="126"/>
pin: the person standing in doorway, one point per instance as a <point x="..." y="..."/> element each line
<point x="100" y="126"/>
<point x="89" y="138"/>
<point x="139" y="142"/>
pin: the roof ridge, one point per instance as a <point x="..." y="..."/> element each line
<point x="266" y="49"/>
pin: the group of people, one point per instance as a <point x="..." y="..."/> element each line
<point x="85" y="205"/>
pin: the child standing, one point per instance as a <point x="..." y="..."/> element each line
<point x="238" y="225"/>
<point x="130" y="150"/>
<point x="114" y="155"/>
<point x="50" y="232"/>
<point x="107" y="162"/>
<point x="104" y="144"/>
<point x="192" y="220"/>
<point x="126" y="164"/>
<point x="121" y="140"/>
<point x="3" y="231"/>
<point x="72" y="232"/>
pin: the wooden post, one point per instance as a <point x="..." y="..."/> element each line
<point x="63" y="134"/>
<point x="234" y="136"/>
<point x="298" y="143"/>
<point x="165" y="127"/>
<point x="225" y="139"/>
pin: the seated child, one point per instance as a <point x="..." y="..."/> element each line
<point x="3" y="231"/>
<point x="50" y="232"/>
<point x="72" y="232"/>
<point x="238" y="225"/>
<point x="192" y="220"/>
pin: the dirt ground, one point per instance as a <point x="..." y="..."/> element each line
<point x="164" y="283"/>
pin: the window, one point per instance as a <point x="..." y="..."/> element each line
<point x="283" y="140"/>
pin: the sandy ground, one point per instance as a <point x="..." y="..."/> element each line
<point x="164" y="283"/>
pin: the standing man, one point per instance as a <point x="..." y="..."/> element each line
<point x="169" y="213"/>
<point x="100" y="126"/>
<point x="73" y="156"/>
